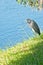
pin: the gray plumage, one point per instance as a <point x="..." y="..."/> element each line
<point x="33" y="25"/>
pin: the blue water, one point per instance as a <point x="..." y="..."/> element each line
<point x="13" y="28"/>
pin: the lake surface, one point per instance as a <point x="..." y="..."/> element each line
<point x="13" y="28"/>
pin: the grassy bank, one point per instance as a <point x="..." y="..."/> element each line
<point x="29" y="52"/>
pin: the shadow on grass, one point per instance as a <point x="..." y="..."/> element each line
<point x="35" y="57"/>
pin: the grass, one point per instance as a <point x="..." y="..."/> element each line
<point x="29" y="52"/>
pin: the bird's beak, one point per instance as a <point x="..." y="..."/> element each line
<point x="25" y="20"/>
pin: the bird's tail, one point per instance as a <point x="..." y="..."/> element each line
<point x="39" y="33"/>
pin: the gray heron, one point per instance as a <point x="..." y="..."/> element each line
<point x="33" y="25"/>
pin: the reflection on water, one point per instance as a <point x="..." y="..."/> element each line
<point x="13" y="28"/>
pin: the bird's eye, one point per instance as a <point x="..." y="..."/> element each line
<point x="29" y="21"/>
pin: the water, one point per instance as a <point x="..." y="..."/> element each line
<point x="13" y="28"/>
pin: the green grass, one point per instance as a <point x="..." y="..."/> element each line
<point x="29" y="52"/>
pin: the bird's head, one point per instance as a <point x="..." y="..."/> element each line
<point x="28" y="21"/>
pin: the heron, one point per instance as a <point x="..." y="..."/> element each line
<point x="33" y="25"/>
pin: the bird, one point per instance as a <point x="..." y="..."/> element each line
<point x="33" y="25"/>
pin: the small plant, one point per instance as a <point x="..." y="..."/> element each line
<point x="33" y="3"/>
<point x="29" y="52"/>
